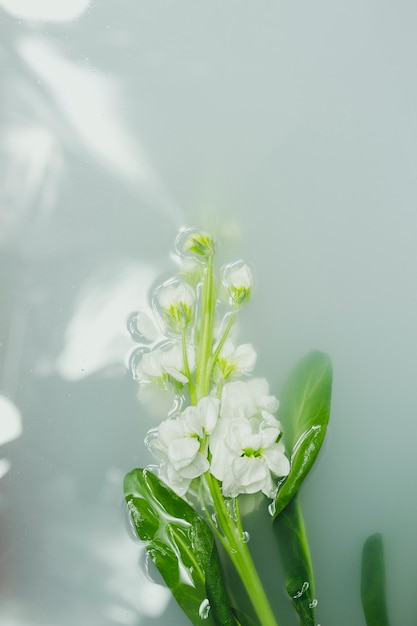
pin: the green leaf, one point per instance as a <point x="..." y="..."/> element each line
<point x="181" y="545"/>
<point x="299" y="581"/>
<point x="304" y="414"/>
<point x="373" y="582"/>
<point x="216" y="594"/>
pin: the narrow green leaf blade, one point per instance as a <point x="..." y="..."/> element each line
<point x="304" y="414"/>
<point x="220" y="608"/>
<point x="243" y="619"/>
<point x="373" y="582"/>
<point x="178" y="540"/>
<point x="299" y="581"/>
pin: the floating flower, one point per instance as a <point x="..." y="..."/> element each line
<point x="248" y="399"/>
<point x="146" y="327"/>
<point x="164" y="365"/>
<point x="176" y="301"/>
<point x="180" y="443"/>
<point x="195" y="243"/>
<point x="234" y="361"/>
<point x="238" y="280"/>
<point x="247" y="456"/>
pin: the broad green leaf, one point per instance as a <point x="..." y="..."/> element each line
<point x="299" y="581"/>
<point x="373" y="582"/>
<point x="179" y="542"/>
<point x="220" y="607"/>
<point x="304" y="414"/>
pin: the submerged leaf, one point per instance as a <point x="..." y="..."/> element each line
<point x="216" y="594"/>
<point x="180" y="544"/>
<point x="299" y="581"/>
<point x="373" y="582"/>
<point x="304" y="414"/>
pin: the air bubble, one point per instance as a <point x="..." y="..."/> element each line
<point x="204" y="609"/>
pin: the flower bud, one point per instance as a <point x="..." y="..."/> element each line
<point x="176" y="301"/>
<point x="238" y="280"/>
<point x="195" y="243"/>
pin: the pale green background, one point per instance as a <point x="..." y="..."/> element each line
<point x="291" y="128"/>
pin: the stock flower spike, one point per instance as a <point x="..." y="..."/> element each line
<point x="221" y="439"/>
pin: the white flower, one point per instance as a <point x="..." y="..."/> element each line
<point x="146" y="327"/>
<point x="180" y="443"/>
<point x="234" y="361"/>
<point x="238" y="280"/>
<point x="246" y="454"/>
<point x="196" y="243"/>
<point x="249" y="399"/>
<point x="160" y="364"/>
<point x="176" y="300"/>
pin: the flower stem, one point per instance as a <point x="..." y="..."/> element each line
<point x="206" y="337"/>
<point x="233" y="541"/>
<point x="187" y="368"/>
<point x="220" y="345"/>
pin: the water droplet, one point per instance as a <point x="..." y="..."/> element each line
<point x="272" y="508"/>
<point x="204" y="609"/>
<point x="231" y="508"/>
<point x="130" y="526"/>
<point x="303" y="589"/>
<point x="215" y="521"/>
<point x="245" y="536"/>
<point x="313" y="604"/>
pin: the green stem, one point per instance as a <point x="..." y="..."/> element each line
<point x="220" y="345"/>
<point x="206" y="337"/>
<point x="187" y="368"/>
<point x="237" y="549"/>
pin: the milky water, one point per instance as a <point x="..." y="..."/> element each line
<point x="289" y="129"/>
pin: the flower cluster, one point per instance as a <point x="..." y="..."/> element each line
<point x="227" y="428"/>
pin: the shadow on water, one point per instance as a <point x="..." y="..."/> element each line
<point x="83" y="217"/>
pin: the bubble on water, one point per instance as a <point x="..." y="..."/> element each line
<point x="204" y="609"/>
<point x="245" y="536"/>
<point x="313" y="604"/>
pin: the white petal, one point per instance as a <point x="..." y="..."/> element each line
<point x="277" y="461"/>
<point x="208" y="409"/>
<point x="182" y="451"/>
<point x="245" y="357"/>
<point x="146" y="326"/>
<point x="176" y="375"/>
<point x="198" y="466"/>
